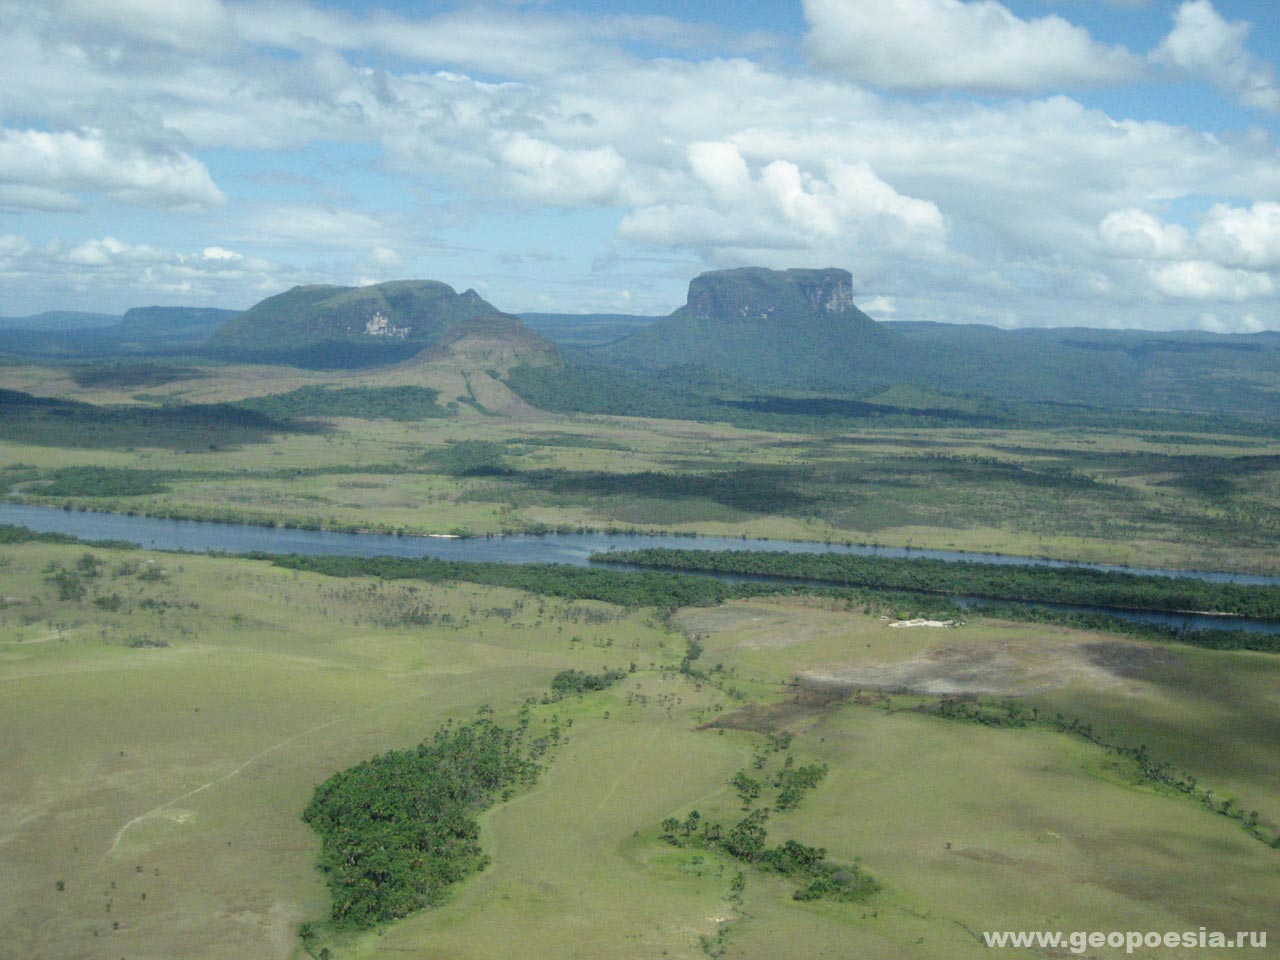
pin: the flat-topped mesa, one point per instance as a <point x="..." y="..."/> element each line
<point x="794" y="327"/>
<point x="754" y="293"/>
<point x="328" y="326"/>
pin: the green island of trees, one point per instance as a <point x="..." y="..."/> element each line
<point x="568" y="682"/>
<point x="628" y="589"/>
<point x="398" y="829"/>
<point x="666" y="590"/>
<point x="1034" y="583"/>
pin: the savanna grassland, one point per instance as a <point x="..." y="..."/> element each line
<point x="168" y="717"/>
<point x="427" y="460"/>
<point x="168" y="721"/>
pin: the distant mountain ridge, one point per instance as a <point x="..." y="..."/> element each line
<point x="141" y="331"/>
<point x="745" y="336"/>
<point x="60" y="320"/>
<point x="183" y="324"/>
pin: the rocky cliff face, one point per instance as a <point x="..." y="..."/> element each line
<point x="753" y="293"/>
<point x="828" y="291"/>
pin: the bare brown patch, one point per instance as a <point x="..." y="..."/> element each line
<point x="941" y="670"/>
<point x="1129" y="660"/>
<point x="1013" y="666"/>
<point x="809" y="698"/>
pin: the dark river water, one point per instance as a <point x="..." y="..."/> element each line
<point x="573" y="548"/>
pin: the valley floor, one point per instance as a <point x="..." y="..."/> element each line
<point x="161" y="753"/>
<point x="1137" y="497"/>
<point x="165" y="718"/>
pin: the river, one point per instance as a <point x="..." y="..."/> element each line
<point x="570" y="548"/>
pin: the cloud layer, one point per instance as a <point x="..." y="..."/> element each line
<point x="949" y="44"/>
<point x="50" y="171"/>
<point x="643" y="149"/>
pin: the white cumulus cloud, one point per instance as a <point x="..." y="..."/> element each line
<point x="107" y="273"/>
<point x="1141" y="236"/>
<point x="48" y="170"/>
<point x="1204" y="44"/>
<point x="1203" y="280"/>
<point x="782" y="207"/>
<point x="973" y="45"/>
<point x="547" y="173"/>
<point x="1230" y="257"/>
<point x="1238" y="237"/>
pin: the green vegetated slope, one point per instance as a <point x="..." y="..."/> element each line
<point x="1186" y="370"/>
<point x="798" y="327"/>
<point x="327" y="326"/>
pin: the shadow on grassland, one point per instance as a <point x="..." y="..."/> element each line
<point x="49" y="422"/>
<point x="751" y="489"/>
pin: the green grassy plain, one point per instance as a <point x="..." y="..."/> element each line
<point x="179" y="772"/>
<point x="193" y="761"/>
<point x="972" y="828"/>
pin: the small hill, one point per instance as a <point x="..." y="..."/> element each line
<point x="468" y="365"/>
<point x="324" y="326"/>
<point x="798" y="327"/>
<point x="496" y="341"/>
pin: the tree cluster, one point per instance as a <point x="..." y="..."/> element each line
<point x="399" y="828"/>
<point x="1036" y="583"/>
<point x="568" y="682"/>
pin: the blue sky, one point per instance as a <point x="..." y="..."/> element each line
<point x="1025" y="163"/>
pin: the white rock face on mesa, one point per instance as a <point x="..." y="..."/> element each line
<point x="380" y="326"/>
<point x="830" y="292"/>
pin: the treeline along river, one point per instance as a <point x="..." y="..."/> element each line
<point x="1165" y="598"/>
